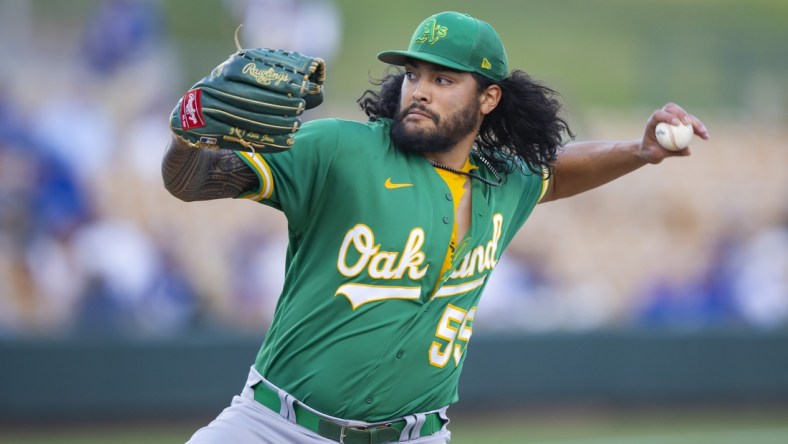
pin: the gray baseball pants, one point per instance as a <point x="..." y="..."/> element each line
<point x="246" y="421"/>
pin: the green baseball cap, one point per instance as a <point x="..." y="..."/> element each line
<point x="456" y="41"/>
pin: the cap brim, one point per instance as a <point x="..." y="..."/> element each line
<point x="400" y="58"/>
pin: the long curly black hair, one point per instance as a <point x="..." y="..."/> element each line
<point x="524" y="130"/>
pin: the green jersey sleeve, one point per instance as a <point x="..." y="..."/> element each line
<point x="291" y="181"/>
<point x="525" y="188"/>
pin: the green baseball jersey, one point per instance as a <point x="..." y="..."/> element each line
<point x="362" y="329"/>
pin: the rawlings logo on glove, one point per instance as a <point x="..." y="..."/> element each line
<point x="191" y="112"/>
<point x="265" y="77"/>
<point x="251" y="102"/>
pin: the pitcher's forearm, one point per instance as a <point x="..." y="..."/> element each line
<point x="202" y="174"/>
<point x="587" y="165"/>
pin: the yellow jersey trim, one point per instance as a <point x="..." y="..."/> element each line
<point x="545" y="182"/>
<point x="260" y="166"/>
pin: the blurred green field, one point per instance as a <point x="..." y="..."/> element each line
<point x="759" y="426"/>
<point x="707" y="54"/>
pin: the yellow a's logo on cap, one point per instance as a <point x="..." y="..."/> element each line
<point x="486" y="64"/>
<point x="432" y="32"/>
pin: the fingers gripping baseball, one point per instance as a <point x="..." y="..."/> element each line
<point x="669" y="131"/>
<point x="250" y="102"/>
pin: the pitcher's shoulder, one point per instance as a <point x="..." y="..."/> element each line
<point x="337" y="124"/>
<point x="347" y="132"/>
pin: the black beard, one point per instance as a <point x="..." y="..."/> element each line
<point x="442" y="139"/>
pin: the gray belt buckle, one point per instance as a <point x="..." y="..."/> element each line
<point x="386" y="428"/>
<point x="343" y="429"/>
<point x="377" y="433"/>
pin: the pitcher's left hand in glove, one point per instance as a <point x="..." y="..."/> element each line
<point x="251" y="102"/>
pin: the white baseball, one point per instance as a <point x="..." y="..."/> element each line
<point x="674" y="137"/>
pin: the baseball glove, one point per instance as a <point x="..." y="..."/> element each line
<point x="251" y="102"/>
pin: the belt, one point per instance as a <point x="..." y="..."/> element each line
<point x="377" y="434"/>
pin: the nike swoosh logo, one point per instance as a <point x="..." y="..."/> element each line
<point x="393" y="186"/>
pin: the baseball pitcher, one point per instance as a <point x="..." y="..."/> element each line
<point x="395" y="224"/>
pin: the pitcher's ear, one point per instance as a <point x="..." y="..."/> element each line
<point x="490" y="98"/>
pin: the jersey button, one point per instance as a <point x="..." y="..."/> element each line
<point x="445" y="219"/>
<point x="370" y="399"/>
<point x="448" y="196"/>
<point x="399" y="354"/>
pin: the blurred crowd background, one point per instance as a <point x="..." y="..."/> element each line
<point x="90" y="242"/>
